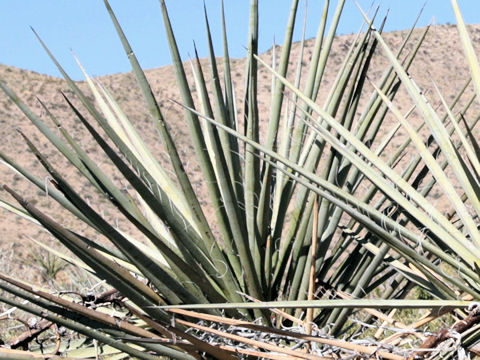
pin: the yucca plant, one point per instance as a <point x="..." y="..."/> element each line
<point x="312" y="225"/>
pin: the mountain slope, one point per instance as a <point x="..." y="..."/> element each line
<point x="440" y="59"/>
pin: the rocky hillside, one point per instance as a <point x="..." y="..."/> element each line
<point x="440" y="60"/>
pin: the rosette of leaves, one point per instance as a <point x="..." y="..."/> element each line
<point x="311" y="213"/>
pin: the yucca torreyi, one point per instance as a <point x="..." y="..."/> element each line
<point x="315" y="217"/>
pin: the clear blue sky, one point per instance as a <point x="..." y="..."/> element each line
<point x="84" y="27"/>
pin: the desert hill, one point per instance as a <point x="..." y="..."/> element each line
<point x="440" y="59"/>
